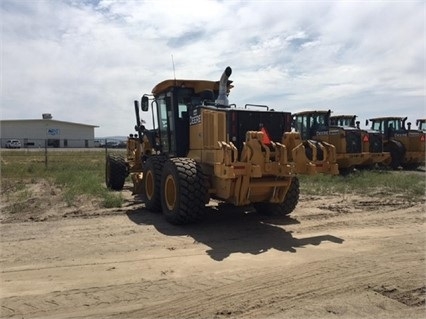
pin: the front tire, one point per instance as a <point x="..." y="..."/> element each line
<point x="152" y="182"/>
<point x="286" y="207"/>
<point x="115" y="172"/>
<point x="397" y="153"/>
<point x="183" y="191"/>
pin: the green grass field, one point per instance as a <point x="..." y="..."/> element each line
<point x="367" y="182"/>
<point x="77" y="172"/>
<point x="83" y="173"/>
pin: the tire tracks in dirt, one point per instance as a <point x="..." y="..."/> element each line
<point x="318" y="264"/>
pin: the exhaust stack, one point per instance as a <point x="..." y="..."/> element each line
<point x="222" y="98"/>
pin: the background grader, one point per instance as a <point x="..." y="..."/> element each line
<point x="202" y="147"/>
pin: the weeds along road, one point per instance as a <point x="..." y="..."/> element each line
<point x="345" y="257"/>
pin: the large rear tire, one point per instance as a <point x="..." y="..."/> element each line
<point x="151" y="185"/>
<point x="115" y="172"/>
<point x="286" y="207"/>
<point x="397" y="152"/>
<point x="183" y="191"/>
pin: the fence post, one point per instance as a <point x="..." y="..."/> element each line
<point x="45" y="154"/>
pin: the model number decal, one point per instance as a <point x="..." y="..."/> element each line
<point x="321" y="133"/>
<point x="196" y="119"/>
<point x="334" y="132"/>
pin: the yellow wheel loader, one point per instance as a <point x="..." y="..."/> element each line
<point x="348" y="141"/>
<point x="372" y="141"/>
<point x="406" y="146"/>
<point x="201" y="148"/>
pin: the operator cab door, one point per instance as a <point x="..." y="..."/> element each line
<point x="173" y="124"/>
<point x="302" y="126"/>
<point x="165" y="124"/>
<point x="182" y="99"/>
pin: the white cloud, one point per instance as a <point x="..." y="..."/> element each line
<point x="86" y="61"/>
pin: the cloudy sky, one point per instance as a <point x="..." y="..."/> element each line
<point x="86" y="61"/>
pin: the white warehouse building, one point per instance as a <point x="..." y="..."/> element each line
<point x="48" y="132"/>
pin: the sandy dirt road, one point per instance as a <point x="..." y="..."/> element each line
<point x="336" y="257"/>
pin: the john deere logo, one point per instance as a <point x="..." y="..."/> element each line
<point x="53" y="131"/>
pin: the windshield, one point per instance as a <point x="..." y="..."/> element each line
<point x="377" y="126"/>
<point x="394" y="124"/>
<point x="308" y="124"/>
<point x="319" y="122"/>
<point x="386" y="125"/>
<point x="346" y="122"/>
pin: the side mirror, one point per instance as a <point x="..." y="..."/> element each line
<point x="357" y="124"/>
<point x="366" y="122"/>
<point x="409" y="125"/>
<point x="145" y="103"/>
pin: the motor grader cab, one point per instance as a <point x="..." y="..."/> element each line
<point x="406" y="146"/>
<point x="202" y="147"/>
<point x="315" y="125"/>
<point x="372" y="141"/>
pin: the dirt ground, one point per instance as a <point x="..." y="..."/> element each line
<point x="335" y="257"/>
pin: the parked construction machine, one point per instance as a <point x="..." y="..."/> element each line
<point x="348" y="140"/>
<point x="372" y="141"/>
<point x="406" y="146"/>
<point x="201" y="148"/>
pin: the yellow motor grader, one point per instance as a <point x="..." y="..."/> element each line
<point x="406" y="146"/>
<point x="202" y="147"/>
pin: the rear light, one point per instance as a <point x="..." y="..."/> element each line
<point x="422" y="138"/>
<point x="365" y="139"/>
